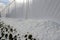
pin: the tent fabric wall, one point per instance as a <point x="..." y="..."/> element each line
<point x="45" y="9"/>
<point x="38" y="9"/>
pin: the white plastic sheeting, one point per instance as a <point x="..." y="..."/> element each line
<point x="37" y="9"/>
<point x="44" y="9"/>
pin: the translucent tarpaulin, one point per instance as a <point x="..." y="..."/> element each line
<point x="35" y="9"/>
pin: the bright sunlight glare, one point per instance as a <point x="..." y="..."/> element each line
<point x="20" y="1"/>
